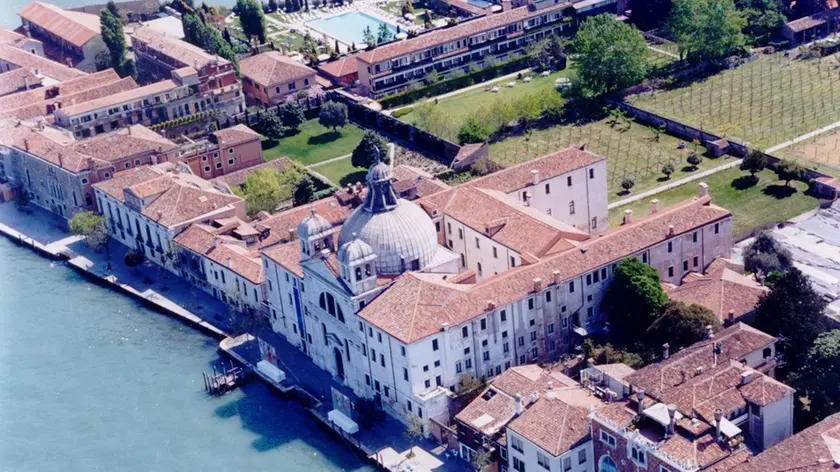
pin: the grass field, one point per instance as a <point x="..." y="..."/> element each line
<point x="341" y="172"/>
<point x="314" y="143"/>
<point x="458" y="107"/>
<point x="752" y="206"/>
<point x="631" y="151"/>
<point x="764" y="103"/>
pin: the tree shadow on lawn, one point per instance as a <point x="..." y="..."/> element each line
<point x="324" y="138"/>
<point x="779" y="191"/>
<point x="269" y="143"/>
<point x="744" y="182"/>
<point x="353" y="177"/>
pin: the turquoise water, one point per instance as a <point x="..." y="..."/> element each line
<point x="91" y="381"/>
<point x="349" y="27"/>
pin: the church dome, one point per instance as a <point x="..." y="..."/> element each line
<point x="354" y="252"/>
<point x="313" y="226"/>
<point x="399" y="232"/>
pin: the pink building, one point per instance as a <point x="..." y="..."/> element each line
<point x="270" y="77"/>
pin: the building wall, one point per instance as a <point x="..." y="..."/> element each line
<point x="215" y="161"/>
<point x="777" y="421"/>
<point x="232" y="288"/>
<point x="275" y="93"/>
<point x="620" y="453"/>
<point x="529" y="452"/>
<point x="461" y="239"/>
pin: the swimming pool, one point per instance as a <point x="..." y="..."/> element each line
<point x="349" y="27"/>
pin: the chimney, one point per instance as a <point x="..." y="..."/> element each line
<point x="746" y="377"/>
<point x="292" y="234"/>
<point x="654" y="205"/>
<point x="718" y="418"/>
<point x="26" y="82"/>
<point x="703" y="189"/>
<point x="215" y="242"/>
<point x="535" y="176"/>
<point x="628" y="216"/>
<point x="491" y="305"/>
<point x="69" y="62"/>
<point x="550" y="386"/>
<point x="519" y="406"/>
<point x="129" y="130"/>
<point x="26" y="145"/>
<point x="27" y="31"/>
<point x="557" y="278"/>
<point x="538" y="284"/>
<point x="731" y="316"/>
<point x="534" y="397"/>
<point x="325" y="254"/>
<point x="640" y="395"/>
<point x="672" y="415"/>
<point x="444" y="326"/>
<point x="60" y="160"/>
<point x="227" y="262"/>
<point x="670" y="230"/>
<point x="666" y="351"/>
<point x="709" y="332"/>
<point x="506" y="5"/>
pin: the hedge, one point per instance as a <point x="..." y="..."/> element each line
<point x="461" y="81"/>
<point x="402" y="112"/>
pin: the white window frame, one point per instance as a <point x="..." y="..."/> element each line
<point x="607" y="439"/>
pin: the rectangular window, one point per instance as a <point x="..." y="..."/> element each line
<point x="458" y="367"/>
<point x="530" y="303"/>
<point x="437" y="363"/>
<point x="717" y="228"/>
<point x="588" y="279"/>
<point x="696" y="261"/>
<point x="694" y="237"/>
<point x="503" y="316"/>
<point x="596" y="277"/>
<point x="465" y="332"/>
<point x="547" y="189"/>
<point x="486" y="355"/>
<point x="405" y="374"/>
<point x="591" y="173"/>
<point x="670" y="246"/>
<point x="505" y="347"/>
<point x="521" y="340"/>
<point x="367" y="380"/>
<point x="477" y="244"/>
<point x="550" y="328"/>
<point x="402" y="350"/>
<point x="428" y="383"/>
<point x="572" y="286"/>
<point x="548" y="297"/>
<point x="582" y="456"/>
<point x="516" y="444"/>
<point x="518" y="465"/>
<point x="542" y="461"/>
<point x="460" y="233"/>
<point x="533" y="335"/>
<point x="483" y="324"/>
<point x="468" y="363"/>
<point x="685" y="266"/>
<point x="607" y="439"/>
<point x="435" y="344"/>
<point x="671" y="271"/>
<point x="495" y="253"/>
<point x="569" y="181"/>
<point x="512" y="261"/>
<point x="572" y="207"/>
<point x="567" y="464"/>
<point x="644" y="258"/>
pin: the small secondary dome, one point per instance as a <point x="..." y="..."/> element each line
<point x="355" y="252"/>
<point x="313" y="226"/>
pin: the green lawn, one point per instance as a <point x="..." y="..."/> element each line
<point x="752" y="206"/>
<point x="458" y="107"/>
<point x="341" y="172"/>
<point x="314" y="143"/>
<point x="766" y="102"/>
<point x="631" y="151"/>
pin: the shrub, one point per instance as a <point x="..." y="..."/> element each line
<point x="402" y="112"/>
<point x="627" y="184"/>
<point x="668" y="169"/>
<point x="472" y="131"/>
<point x="694" y="159"/>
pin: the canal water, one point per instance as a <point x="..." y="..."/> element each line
<point x="92" y="381"/>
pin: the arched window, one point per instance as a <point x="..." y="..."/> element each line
<point x="607" y="464"/>
<point x="358" y="274"/>
<point x="330" y="304"/>
<point x="322" y="301"/>
<point x="367" y="270"/>
<point x="340" y="313"/>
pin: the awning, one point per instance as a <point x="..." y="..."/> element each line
<point x="659" y="413"/>
<point x="271" y="371"/>
<point x="580" y="331"/>
<point x="346" y="424"/>
<point x="728" y="428"/>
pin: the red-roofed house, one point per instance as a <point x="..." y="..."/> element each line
<point x="270" y="77"/>
<point x="343" y="71"/>
<point x="75" y="36"/>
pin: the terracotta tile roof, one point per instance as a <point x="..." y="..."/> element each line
<point x="617" y="371"/>
<point x="183" y="52"/>
<point x="238" y="177"/>
<point x="38" y="109"/>
<point x="44" y="66"/>
<point x="146" y="7"/>
<point x="721" y="290"/>
<point x="281" y="223"/>
<point x="183" y="204"/>
<point x="17" y="80"/>
<point x="460" y="31"/>
<point x="201" y="239"/>
<point x="416" y="306"/>
<point x="49" y="144"/>
<point x="235" y="135"/>
<point x="68" y="87"/>
<point x="125" y="142"/>
<point x="119" y="98"/>
<point x="271" y="68"/>
<point x="116" y="185"/>
<point x="817" y="19"/>
<point x="74" y="27"/>
<point x="467" y="7"/>
<point x="287" y="255"/>
<point x="553" y="425"/>
<point x="815" y="449"/>
<point x="407" y="177"/>
<point x="347" y="65"/>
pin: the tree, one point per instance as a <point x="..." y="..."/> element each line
<point x="469" y="387"/>
<point x="252" y="19"/>
<point x="406" y="8"/>
<point x="633" y="300"/>
<point x="681" y="325"/>
<point x="754" y="162"/>
<point x="694" y="160"/>
<point x="628" y="184"/>
<point x="114" y="38"/>
<point x="133" y="258"/>
<point x="610" y="355"/>
<point x="432" y="77"/>
<point x="384" y="34"/>
<point x="473" y="131"/>
<point x="268" y="124"/>
<point x="668" y="169"/>
<point x="304" y="191"/>
<point x="795" y="311"/>
<point x="333" y="115"/>
<point x="291" y="115"/>
<point x="264" y="191"/>
<point x="764" y="19"/>
<point x="367" y="36"/>
<point x="766" y="255"/>
<point x="706" y="29"/>
<point x="413" y="431"/>
<point x="272" y="5"/>
<point x="480" y="459"/>
<point x="611" y="55"/>
<point x="819" y="376"/>
<point x="548" y="54"/>
<point x="650" y="14"/>
<point x="22" y="199"/>
<point x="92" y="227"/>
<point x="364" y="153"/>
<point x="207" y="38"/>
<point x="788" y="170"/>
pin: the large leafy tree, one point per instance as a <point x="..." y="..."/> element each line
<point x="268" y="124"/>
<point x="706" y="29"/>
<point x="548" y="54"/>
<point x="291" y="115"/>
<point x="304" y="191"/>
<point x="633" y="300"/>
<point x="681" y="325"/>
<point x="792" y="310"/>
<point x="788" y="170"/>
<point x="473" y="131"/>
<point x="266" y="189"/>
<point x="754" y="162"/>
<point x="207" y="38"/>
<point x="114" y="39"/>
<point x="252" y="18"/>
<point x="92" y="227"/>
<point x="766" y="255"/>
<point x="612" y="55"/>
<point x="333" y="115"/>
<point x="364" y="155"/>
<point x="819" y="377"/>
<point x="764" y="19"/>
<point x="650" y="14"/>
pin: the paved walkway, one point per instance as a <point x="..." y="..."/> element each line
<point x="339" y="158"/>
<point x="802" y="138"/>
<point x="673" y="184"/>
<point x="660" y="51"/>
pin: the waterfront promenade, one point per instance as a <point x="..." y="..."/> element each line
<point x="171" y="294"/>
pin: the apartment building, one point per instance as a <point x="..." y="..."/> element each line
<point x="269" y="78"/>
<point x="147" y="206"/>
<point x="160" y="57"/>
<point x="395" y="314"/>
<point x="397" y="66"/>
<point x="71" y="37"/>
<point x="48" y="71"/>
<point x="223" y="152"/>
<point x="22" y="41"/>
<point x="704" y="408"/>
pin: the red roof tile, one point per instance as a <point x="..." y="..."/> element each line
<point x="74" y="27"/>
<point x="271" y="68"/>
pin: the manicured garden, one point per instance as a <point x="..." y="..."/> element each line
<point x="314" y="143"/>
<point x="752" y="204"/>
<point x="341" y="172"/>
